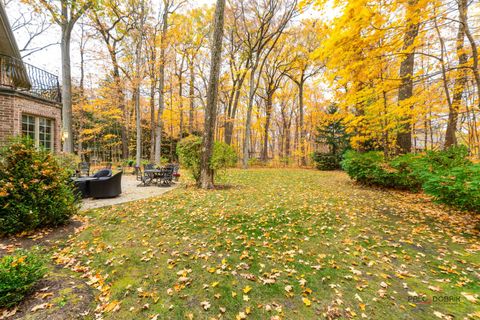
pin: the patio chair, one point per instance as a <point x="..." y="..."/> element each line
<point x="167" y="175"/>
<point x="103" y="173"/>
<point x="176" y="174"/>
<point x="106" y="187"/>
<point x="83" y="169"/>
<point x="141" y="176"/>
<point x="149" y="166"/>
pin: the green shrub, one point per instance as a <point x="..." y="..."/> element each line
<point x="326" y="161"/>
<point x="458" y="186"/>
<point x="406" y="171"/>
<point x="370" y="168"/>
<point x="35" y="191"/>
<point x="128" y="163"/>
<point x="189" y="151"/>
<point x="68" y="161"/>
<point x="449" y="176"/>
<point x="18" y="273"/>
<point x="367" y="168"/>
<point x="456" y="156"/>
<point x="223" y="157"/>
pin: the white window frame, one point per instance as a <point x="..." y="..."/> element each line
<point x="37" y="130"/>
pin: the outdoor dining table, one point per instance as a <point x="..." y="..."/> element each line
<point x="153" y="174"/>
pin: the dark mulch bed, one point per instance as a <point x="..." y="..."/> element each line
<point x="56" y="297"/>
<point x="43" y="237"/>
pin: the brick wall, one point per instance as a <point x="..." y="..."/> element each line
<point x="12" y="106"/>
<point x="6" y="117"/>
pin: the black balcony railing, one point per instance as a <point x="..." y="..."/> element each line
<point x="21" y="76"/>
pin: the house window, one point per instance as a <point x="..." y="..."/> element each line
<point x="39" y="129"/>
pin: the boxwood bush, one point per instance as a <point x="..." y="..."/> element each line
<point x="35" y="191"/>
<point x="18" y="274"/>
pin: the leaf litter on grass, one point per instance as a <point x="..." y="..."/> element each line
<point x="286" y="244"/>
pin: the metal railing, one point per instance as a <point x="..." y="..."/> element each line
<point x="21" y="76"/>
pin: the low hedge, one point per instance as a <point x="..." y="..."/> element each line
<point x="370" y="168"/>
<point x="449" y="176"/>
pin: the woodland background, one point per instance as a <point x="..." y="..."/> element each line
<point x="402" y="75"/>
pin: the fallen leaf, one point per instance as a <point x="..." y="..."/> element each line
<point x="41" y="307"/>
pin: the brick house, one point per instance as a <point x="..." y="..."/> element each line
<point x="30" y="101"/>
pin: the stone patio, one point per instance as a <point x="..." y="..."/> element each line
<point x="130" y="192"/>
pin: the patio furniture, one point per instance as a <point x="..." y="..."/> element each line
<point x="152" y="175"/>
<point x="83" y="169"/>
<point x="142" y="176"/>
<point x="149" y="166"/>
<point x="103" y="173"/>
<point x="82" y="186"/>
<point x="106" y="187"/>
<point x="167" y="174"/>
<point x="176" y="174"/>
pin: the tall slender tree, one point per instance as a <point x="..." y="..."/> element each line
<point x="138" y="79"/>
<point x="65" y="13"/>
<point x="113" y="25"/>
<point x="206" y="172"/>
<point x="405" y="91"/>
<point x="260" y="26"/>
<point x="460" y="79"/>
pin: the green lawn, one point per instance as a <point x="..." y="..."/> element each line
<point x="279" y="244"/>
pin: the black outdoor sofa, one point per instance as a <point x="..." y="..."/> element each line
<point x="101" y="185"/>
<point x="106" y="187"/>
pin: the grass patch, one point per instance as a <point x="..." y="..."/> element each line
<point x="297" y="244"/>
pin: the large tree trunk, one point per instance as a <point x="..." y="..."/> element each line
<point x="460" y="81"/>
<point x="161" y="88"/>
<point x="121" y="103"/>
<point x="288" y="141"/>
<point x="268" y="117"/>
<point x="180" y="97"/>
<point x="138" y="79"/>
<point x="464" y="20"/>
<point x="124" y="132"/>
<point x="191" y="93"/>
<point x="228" y="112"/>
<point x="405" y="92"/>
<point x="66" y="90"/>
<point x="303" y="160"/>
<point x="248" y="121"/>
<point x="231" y="117"/>
<point x="138" y="117"/>
<point x="82" y="96"/>
<point x="206" y="173"/>
<point x="152" y="121"/>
